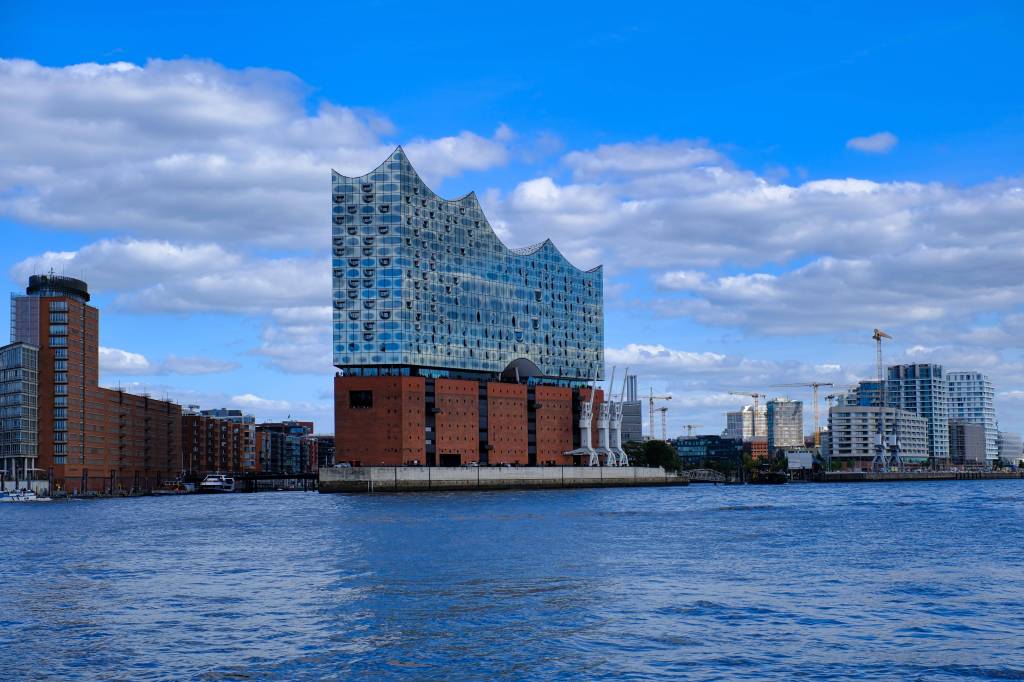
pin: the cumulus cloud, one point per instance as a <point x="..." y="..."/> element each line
<point x="160" y="276"/>
<point x="879" y="143"/>
<point x="121" y="362"/>
<point x="299" y="341"/>
<point x="193" y="149"/>
<point x="250" y="401"/>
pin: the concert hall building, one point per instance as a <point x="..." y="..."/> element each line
<point x="452" y="348"/>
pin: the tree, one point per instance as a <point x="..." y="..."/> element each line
<point x="635" y="452"/>
<point x="659" y="453"/>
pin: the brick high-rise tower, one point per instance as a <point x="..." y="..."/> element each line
<point x="89" y="438"/>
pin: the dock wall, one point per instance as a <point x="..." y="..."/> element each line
<point x="876" y="476"/>
<point x="419" y="479"/>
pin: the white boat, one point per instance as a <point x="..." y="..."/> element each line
<point x="23" y="495"/>
<point x="217" y="483"/>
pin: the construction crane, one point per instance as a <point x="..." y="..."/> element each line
<point x="814" y="386"/>
<point x="664" y="422"/>
<point x="753" y="422"/>
<point x="652" y="398"/>
<point x="690" y="427"/>
<point x="882" y="459"/>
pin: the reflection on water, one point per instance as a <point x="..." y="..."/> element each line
<point x="867" y="581"/>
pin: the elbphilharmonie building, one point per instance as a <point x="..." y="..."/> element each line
<point x="444" y="337"/>
<point x="422" y="282"/>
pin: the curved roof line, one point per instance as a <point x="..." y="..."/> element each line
<point x="471" y="196"/>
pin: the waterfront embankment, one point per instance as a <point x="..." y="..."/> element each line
<point x="882" y="476"/>
<point x="420" y="479"/>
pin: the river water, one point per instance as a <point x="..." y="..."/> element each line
<point x="921" y="581"/>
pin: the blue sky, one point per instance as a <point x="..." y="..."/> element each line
<point x="764" y="185"/>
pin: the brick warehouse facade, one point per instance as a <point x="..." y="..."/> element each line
<point x="89" y="438"/>
<point x="452" y="348"/>
<point x="389" y="421"/>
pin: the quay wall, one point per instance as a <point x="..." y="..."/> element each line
<point x="420" y="479"/>
<point x="875" y="476"/>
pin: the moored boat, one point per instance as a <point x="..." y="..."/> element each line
<point x="217" y="483"/>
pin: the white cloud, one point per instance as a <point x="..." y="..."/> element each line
<point x="249" y="401"/>
<point x="878" y="143"/>
<point x="196" y="365"/>
<point x="158" y="276"/>
<point x="192" y="149"/>
<point x="121" y="362"/>
<point x="299" y="341"/>
<point x="639" y="158"/>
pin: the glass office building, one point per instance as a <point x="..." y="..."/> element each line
<point x="422" y="286"/>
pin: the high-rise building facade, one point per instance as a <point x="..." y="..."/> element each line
<point x="743" y="426"/>
<point x="89" y="439"/>
<point x="921" y="388"/>
<point x="864" y="394"/>
<point x="972" y="399"/>
<point x="451" y="347"/>
<point x="785" y="424"/>
<point x="19" y="411"/>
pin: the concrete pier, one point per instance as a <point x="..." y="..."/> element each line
<point x="420" y="479"/>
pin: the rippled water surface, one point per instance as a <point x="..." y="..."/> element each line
<point x="873" y="581"/>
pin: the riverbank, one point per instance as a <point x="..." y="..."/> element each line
<point x="421" y="479"/>
<point x="882" y="476"/>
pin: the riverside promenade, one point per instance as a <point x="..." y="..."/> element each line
<point x="421" y="479"/>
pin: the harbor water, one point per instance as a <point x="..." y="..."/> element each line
<point x="874" y="581"/>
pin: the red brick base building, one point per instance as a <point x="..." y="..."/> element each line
<point x="397" y="420"/>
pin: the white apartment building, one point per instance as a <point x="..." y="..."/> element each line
<point x="785" y="420"/>
<point x="972" y="399"/>
<point x="852" y="431"/>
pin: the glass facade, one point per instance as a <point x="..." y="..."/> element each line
<point x="19" y="409"/>
<point x="424" y="282"/>
<point x="921" y="389"/>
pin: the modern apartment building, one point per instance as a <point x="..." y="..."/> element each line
<point x="218" y="441"/>
<point x="741" y="425"/>
<point x="967" y="444"/>
<point x="785" y="424"/>
<point x="1010" y="449"/>
<point x="700" y="451"/>
<point x="853" y="430"/>
<point x="922" y="390"/>
<point x="865" y="394"/>
<point x="286" y="447"/>
<point x="451" y="347"/>
<point x="324" y="451"/>
<point x="19" y="412"/>
<point x="89" y="438"/>
<point x="972" y="399"/>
